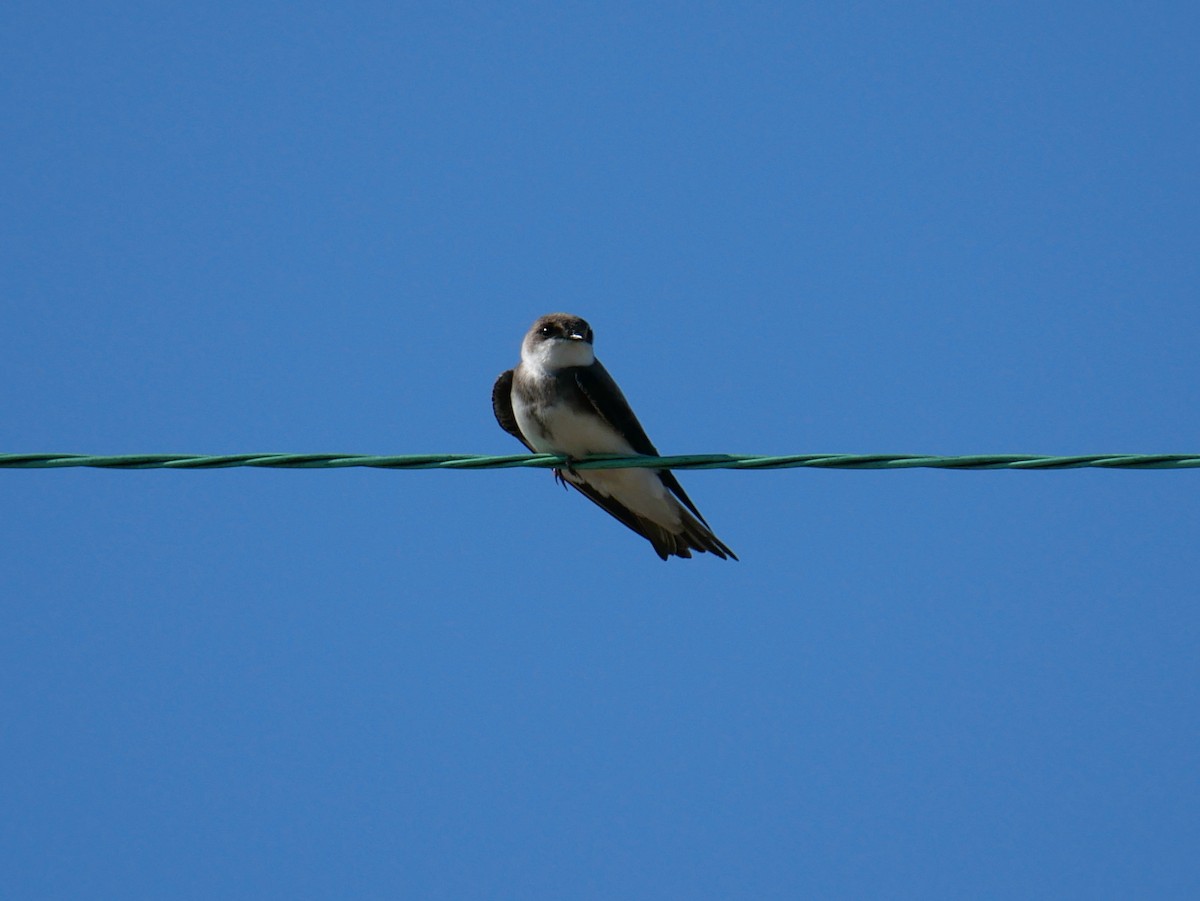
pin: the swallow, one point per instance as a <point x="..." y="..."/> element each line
<point x="560" y="400"/>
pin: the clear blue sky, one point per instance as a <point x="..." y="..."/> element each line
<point x="938" y="227"/>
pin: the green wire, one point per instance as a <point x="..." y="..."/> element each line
<point x="607" y="461"/>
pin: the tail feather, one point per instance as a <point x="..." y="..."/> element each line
<point x="700" y="537"/>
<point x="693" y="536"/>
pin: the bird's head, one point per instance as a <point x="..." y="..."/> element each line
<point x="557" y="341"/>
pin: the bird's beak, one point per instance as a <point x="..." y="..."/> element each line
<point x="575" y="336"/>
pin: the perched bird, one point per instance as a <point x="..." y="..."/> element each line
<point x="560" y="400"/>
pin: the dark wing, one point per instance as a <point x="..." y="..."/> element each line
<point x="502" y="407"/>
<point x="610" y="405"/>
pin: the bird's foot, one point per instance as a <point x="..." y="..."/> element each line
<point x="562" y="479"/>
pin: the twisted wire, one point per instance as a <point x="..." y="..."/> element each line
<point x="605" y="461"/>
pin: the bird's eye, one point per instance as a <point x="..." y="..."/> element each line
<point x="546" y="331"/>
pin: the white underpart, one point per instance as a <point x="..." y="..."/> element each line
<point x="578" y="435"/>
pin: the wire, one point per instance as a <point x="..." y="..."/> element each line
<point x="607" y="461"/>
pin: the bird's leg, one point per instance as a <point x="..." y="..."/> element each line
<point x="558" y="473"/>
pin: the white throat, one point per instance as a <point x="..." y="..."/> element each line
<point x="557" y="353"/>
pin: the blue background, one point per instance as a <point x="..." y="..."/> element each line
<point x="929" y="228"/>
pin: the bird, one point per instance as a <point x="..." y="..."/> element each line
<point x="560" y="400"/>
